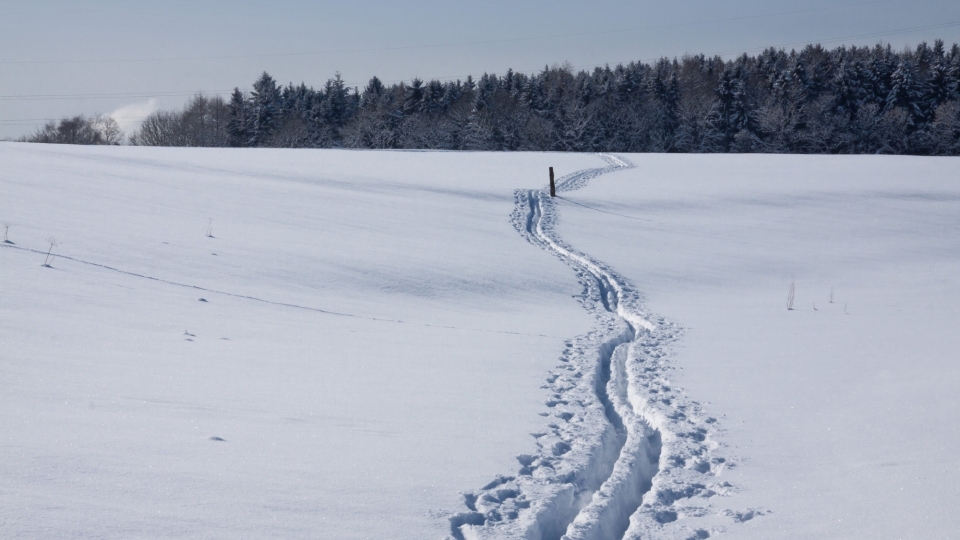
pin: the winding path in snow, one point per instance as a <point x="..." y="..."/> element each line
<point x="607" y="514"/>
<point x="626" y="455"/>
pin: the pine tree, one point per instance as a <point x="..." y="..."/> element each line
<point x="885" y="63"/>
<point x="924" y="57"/>
<point x="730" y="114"/>
<point x="665" y="89"/>
<point x="451" y="93"/>
<point x="907" y="91"/>
<point x="264" y="110"/>
<point x="432" y="101"/>
<point x="510" y="83"/>
<point x="940" y="87"/>
<point x="848" y="91"/>
<point x="533" y="96"/>
<point x="238" y="126"/>
<point x="485" y="89"/>
<point x="338" y="107"/>
<point x="414" y="97"/>
<point x="372" y="93"/>
<point x="939" y="53"/>
<point x="953" y="79"/>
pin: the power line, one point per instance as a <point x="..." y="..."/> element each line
<point x="44" y="97"/>
<point x="32" y="121"/>
<point x="858" y="36"/>
<point x="225" y="92"/>
<point x="443" y="45"/>
<point x="738" y="51"/>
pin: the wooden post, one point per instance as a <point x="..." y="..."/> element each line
<point x="553" y="187"/>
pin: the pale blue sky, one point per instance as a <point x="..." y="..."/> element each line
<point x="145" y="50"/>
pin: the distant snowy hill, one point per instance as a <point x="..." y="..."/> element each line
<point x="252" y="343"/>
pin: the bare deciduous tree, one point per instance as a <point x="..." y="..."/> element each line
<point x="202" y="122"/>
<point x="97" y="129"/>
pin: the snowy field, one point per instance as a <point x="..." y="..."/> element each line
<point x="844" y="420"/>
<point x="424" y="345"/>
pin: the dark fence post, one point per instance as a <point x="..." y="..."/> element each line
<point x="553" y="187"/>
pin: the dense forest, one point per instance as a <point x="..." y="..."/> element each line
<point x="845" y="100"/>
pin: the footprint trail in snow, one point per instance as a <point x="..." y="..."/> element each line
<point x="625" y="454"/>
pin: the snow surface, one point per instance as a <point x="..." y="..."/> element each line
<point x="368" y="340"/>
<point x="334" y="426"/>
<point x="844" y="421"/>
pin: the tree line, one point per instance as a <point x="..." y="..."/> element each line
<point x="852" y="100"/>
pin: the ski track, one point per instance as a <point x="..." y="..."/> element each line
<point x="625" y="454"/>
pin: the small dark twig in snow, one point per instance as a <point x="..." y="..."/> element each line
<point x="49" y="258"/>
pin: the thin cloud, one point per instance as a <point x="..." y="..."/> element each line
<point x="130" y="116"/>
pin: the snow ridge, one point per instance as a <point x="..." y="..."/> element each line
<point x="626" y="454"/>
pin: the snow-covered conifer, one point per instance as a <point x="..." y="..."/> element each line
<point x="264" y="110"/>
<point x="238" y="125"/>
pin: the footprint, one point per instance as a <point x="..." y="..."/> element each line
<point x="745" y="515"/>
